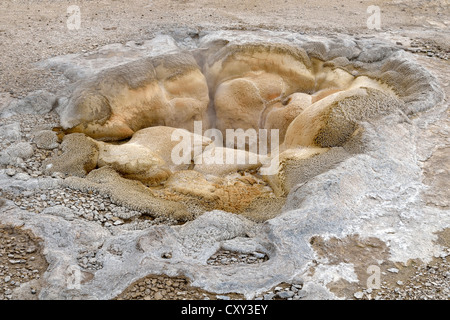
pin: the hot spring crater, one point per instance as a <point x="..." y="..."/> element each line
<point x="325" y="128"/>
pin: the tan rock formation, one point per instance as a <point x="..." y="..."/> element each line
<point x="249" y="80"/>
<point x="315" y="105"/>
<point x="148" y="155"/>
<point x="169" y="91"/>
<point x="221" y="161"/>
<point x="79" y="156"/>
<point x="332" y="120"/>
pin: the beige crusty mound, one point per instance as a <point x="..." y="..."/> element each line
<point x="331" y="121"/>
<point x="134" y="161"/>
<point x="267" y="86"/>
<point x="79" y="156"/>
<point x="169" y="90"/>
<point x="316" y="105"/>
<point x="141" y="175"/>
<point x="220" y="161"/>
<point x="248" y="81"/>
<point x="233" y="61"/>
<point x="314" y="139"/>
<point x="147" y="156"/>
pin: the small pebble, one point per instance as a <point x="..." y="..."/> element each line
<point x="285" y="294"/>
<point x="10" y="172"/>
<point x="158" y="296"/>
<point x="358" y="295"/>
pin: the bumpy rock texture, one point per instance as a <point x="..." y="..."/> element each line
<point x="168" y="90"/>
<point x="366" y="179"/>
<point x="79" y="156"/>
<point x="316" y="94"/>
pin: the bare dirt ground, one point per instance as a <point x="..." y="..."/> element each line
<point x="34" y="30"/>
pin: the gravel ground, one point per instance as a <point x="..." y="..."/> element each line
<point x="429" y="48"/>
<point x="168" y="288"/>
<point x="21" y="260"/>
<point x="225" y="257"/>
<point x="34" y="30"/>
<point x="430" y="281"/>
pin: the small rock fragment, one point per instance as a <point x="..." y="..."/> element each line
<point x="285" y="294"/>
<point x="158" y="296"/>
<point x="358" y="295"/>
